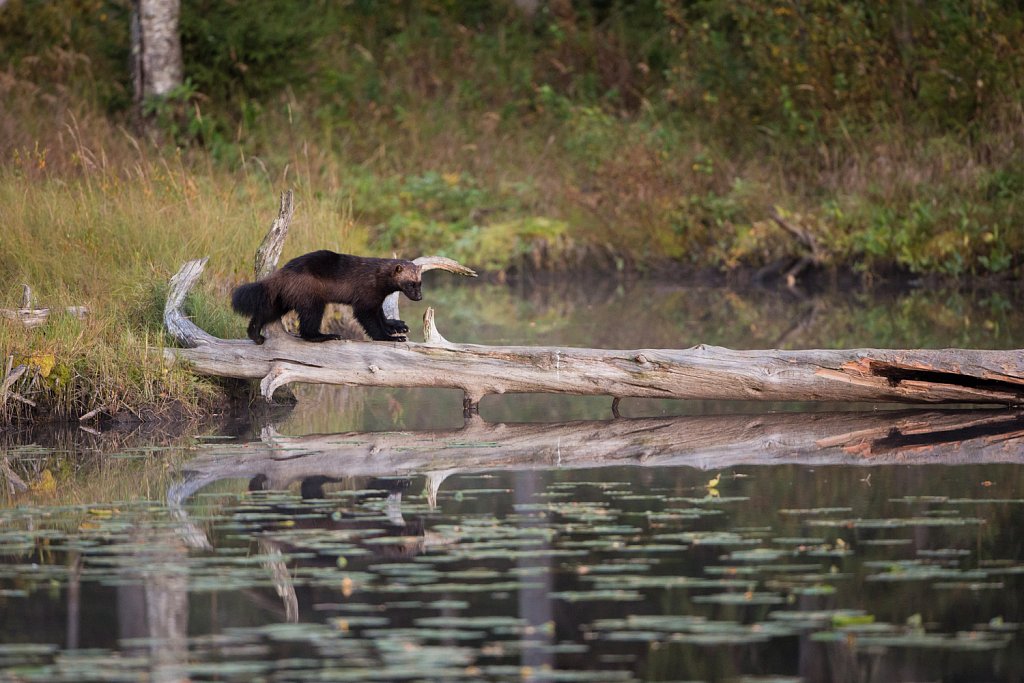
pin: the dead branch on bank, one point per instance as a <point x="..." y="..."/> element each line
<point x="806" y="239"/>
<point x="701" y="372"/>
<point x="31" y="316"/>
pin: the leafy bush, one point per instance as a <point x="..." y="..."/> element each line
<point x="655" y="130"/>
<point x="70" y="47"/>
<point x="806" y="70"/>
<point x="239" y="51"/>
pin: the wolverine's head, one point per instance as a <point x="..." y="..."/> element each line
<point x="408" y="277"/>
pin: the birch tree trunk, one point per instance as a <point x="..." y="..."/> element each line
<point x="156" y="49"/>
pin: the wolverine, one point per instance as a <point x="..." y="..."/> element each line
<point x="307" y="283"/>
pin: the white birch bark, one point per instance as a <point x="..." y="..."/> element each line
<point x="156" y="48"/>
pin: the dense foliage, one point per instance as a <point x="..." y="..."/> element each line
<point x="659" y="129"/>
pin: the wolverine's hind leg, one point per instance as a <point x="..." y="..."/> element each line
<point x="255" y="330"/>
<point x="262" y="318"/>
<point x="310" y="317"/>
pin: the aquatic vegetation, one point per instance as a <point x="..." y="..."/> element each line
<point x="615" y="577"/>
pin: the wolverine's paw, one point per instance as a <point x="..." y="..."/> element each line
<point x="396" y="326"/>
<point x="394" y="338"/>
<point x="257" y="339"/>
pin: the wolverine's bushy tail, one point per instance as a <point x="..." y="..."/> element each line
<point x="251" y="299"/>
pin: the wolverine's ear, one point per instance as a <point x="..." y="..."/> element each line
<point x="398" y="269"/>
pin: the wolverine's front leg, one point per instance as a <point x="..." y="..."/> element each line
<point x="397" y="329"/>
<point x="310" y="317"/>
<point x="263" y="317"/>
<point x="373" y="322"/>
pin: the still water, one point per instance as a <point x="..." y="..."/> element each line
<point x="376" y="535"/>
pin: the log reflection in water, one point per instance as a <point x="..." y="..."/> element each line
<point x="704" y="442"/>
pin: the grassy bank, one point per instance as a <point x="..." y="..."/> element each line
<point x="111" y="244"/>
<point x="621" y="136"/>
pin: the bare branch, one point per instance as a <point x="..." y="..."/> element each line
<point x="35" y="317"/>
<point x="804" y="237"/>
<point x="10" y="377"/>
<point x="426" y="263"/>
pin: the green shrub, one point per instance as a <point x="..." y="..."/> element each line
<point x="807" y="70"/>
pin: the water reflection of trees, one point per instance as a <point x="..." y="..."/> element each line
<point x="153" y="605"/>
<point x="609" y="313"/>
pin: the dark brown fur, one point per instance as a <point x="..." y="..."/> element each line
<point x="307" y="283"/>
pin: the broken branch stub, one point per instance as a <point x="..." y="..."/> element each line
<point x="30" y="316"/>
<point x="178" y="325"/>
<point x="269" y="251"/>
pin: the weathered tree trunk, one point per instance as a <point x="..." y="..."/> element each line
<point x="710" y="442"/>
<point x="156" y="49"/>
<point x="702" y="372"/>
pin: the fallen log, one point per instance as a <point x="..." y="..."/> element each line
<point x="701" y="372"/>
<point x="708" y="442"/>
